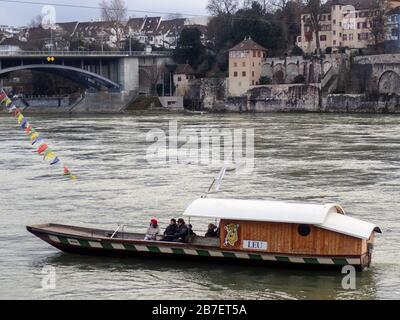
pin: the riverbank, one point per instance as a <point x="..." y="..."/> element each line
<point x="286" y="98"/>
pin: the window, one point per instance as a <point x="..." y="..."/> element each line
<point x="334" y="32"/>
<point x="304" y="230"/>
<point x="243" y="73"/>
<point x="395" y="32"/>
<point x="244" y="64"/>
<point x="345" y="37"/>
<point x="179" y="79"/>
<point x="252" y="73"/>
<point x="350" y="36"/>
<point x="259" y="54"/>
<point x="334" y="21"/>
<point x="326" y="27"/>
<point x="235" y="64"/>
<point x="322" y="37"/>
<point x="254" y="53"/>
<point x="235" y="74"/>
<point x="334" y="42"/>
<point x="362" y="36"/>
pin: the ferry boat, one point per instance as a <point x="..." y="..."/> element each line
<point x="256" y="231"/>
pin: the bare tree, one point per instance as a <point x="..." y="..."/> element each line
<point x="376" y="26"/>
<point x="115" y="12"/>
<point x="36" y="21"/>
<point x="314" y="10"/>
<point x="220" y="7"/>
<point x="154" y="75"/>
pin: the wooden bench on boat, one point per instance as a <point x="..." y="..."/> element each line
<point x="250" y="230"/>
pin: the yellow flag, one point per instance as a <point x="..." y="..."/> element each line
<point x="34" y="136"/>
<point x="20" y="118"/>
<point x="8" y="102"/>
<point x="51" y="155"/>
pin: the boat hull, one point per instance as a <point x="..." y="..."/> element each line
<point x="97" y="246"/>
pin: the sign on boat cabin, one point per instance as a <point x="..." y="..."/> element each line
<point x="286" y="228"/>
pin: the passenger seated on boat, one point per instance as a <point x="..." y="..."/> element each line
<point x="212" y="231"/>
<point x="153" y="230"/>
<point x="182" y="234"/>
<point x="169" y="233"/>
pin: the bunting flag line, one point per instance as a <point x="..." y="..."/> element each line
<point x="35" y="137"/>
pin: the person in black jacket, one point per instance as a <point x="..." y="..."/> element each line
<point x="212" y="231"/>
<point x="182" y="233"/>
<point x="169" y="233"/>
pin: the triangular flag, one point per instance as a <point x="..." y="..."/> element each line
<point x="50" y="155"/>
<point x="47" y="151"/>
<point x="66" y="171"/>
<point x="42" y="148"/>
<point x="36" y="141"/>
<point x="34" y="136"/>
<point x="20" y="118"/>
<point x="55" y="161"/>
<point x="24" y="124"/>
<point x="28" y="129"/>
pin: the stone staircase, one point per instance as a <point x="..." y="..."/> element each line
<point x="330" y="81"/>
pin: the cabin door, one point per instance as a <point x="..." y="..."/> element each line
<point x="303" y="239"/>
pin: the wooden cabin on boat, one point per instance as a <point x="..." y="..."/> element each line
<point x="288" y="229"/>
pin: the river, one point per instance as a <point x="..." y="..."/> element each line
<point x="353" y="160"/>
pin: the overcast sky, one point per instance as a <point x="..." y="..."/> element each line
<point x="20" y="14"/>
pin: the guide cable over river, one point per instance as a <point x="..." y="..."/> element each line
<point x="35" y="137"/>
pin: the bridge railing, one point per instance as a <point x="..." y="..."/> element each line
<point x="21" y="53"/>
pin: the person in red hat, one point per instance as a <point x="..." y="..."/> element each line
<point x="153" y="230"/>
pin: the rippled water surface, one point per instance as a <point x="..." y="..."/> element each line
<point x="352" y="160"/>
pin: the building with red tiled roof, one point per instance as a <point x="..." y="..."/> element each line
<point x="245" y="66"/>
<point x="248" y="44"/>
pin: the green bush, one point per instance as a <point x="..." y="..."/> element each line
<point x="265" y="80"/>
<point x="297" y="51"/>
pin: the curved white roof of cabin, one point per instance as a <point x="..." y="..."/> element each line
<point x="329" y="216"/>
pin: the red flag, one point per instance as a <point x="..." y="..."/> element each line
<point x="28" y="129"/>
<point x="42" y="148"/>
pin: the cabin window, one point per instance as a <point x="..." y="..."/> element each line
<point x="304" y="230"/>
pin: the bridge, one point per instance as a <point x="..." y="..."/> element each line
<point x="113" y="70"/>
<point x="112" y="78"/>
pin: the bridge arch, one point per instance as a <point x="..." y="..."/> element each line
<point x="86" y="78"/>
